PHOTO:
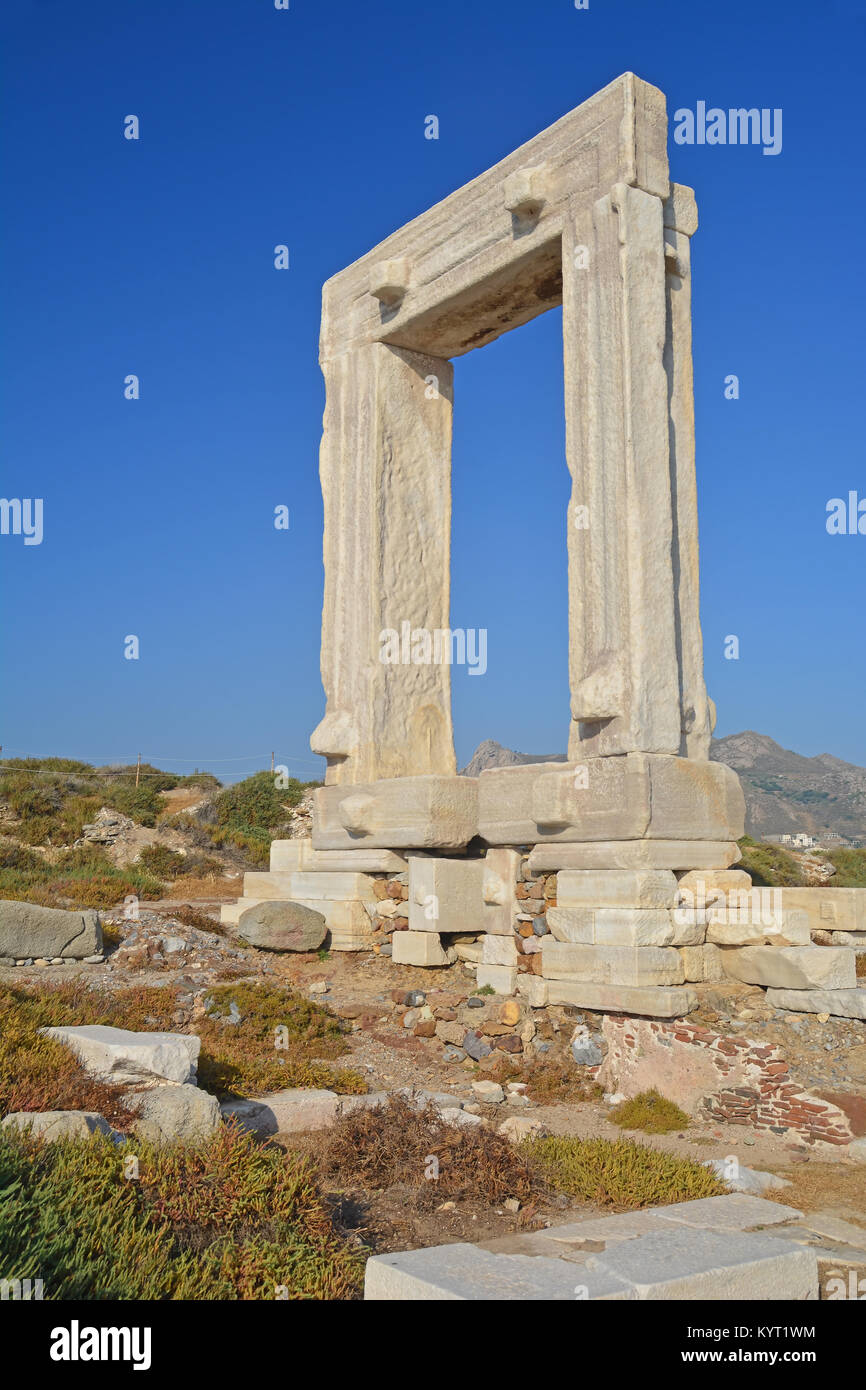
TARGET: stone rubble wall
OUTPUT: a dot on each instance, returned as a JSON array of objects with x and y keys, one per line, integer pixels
[{"x": 732, "y": 1080}]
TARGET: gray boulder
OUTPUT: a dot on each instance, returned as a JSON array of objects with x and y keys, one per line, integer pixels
[
  {"x": 58, "y": 1124},
  {"x": 174, "y": 1114},
  {"x": 282, "y": 926},
  {"x": 114, "y": 1054},
  {"x": 46, "y": 932}
]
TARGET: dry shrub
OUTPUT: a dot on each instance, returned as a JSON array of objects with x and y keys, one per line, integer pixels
[
  {"x": 383, "y": 1146},
  {"x": 191, "y": 917},
  {"x": 548, "y": 1080}
]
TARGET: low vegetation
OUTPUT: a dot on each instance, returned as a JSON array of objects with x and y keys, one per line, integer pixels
[
  {"x": 769, "y": 866},
  {"x": 397, "y": 1143},
  {"x": 850, "y": 866},
  {"x": 77, "y": 878},
  {"x": 619, "y": 1173},
  {"x": 651, "y": 1112},
  {"x": 229, "y": 1219},
  {"x": 238, "y": 1058}
]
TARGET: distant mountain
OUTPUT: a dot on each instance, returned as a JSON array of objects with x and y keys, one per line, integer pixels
[
  {"x": 784, "y": 791},
  {"x": 492, "y": 754}
]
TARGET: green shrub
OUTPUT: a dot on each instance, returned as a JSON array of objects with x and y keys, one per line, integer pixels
[
  {"x": 769, "y": 866},
  {"x": 256, "y": 803},
  {"x": 850, "y": 866},
  {"x": 81, "y": 878},
  {"x": 163, "y": 862},
  {"x": 651, "y": 1112},
  {"x": 228, "y": 1219},
  {"x": 620, "y": 1172}
]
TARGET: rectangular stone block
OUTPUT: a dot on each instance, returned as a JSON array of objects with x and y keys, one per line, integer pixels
[
  {"x": 829, "y": 909},
  {"x": 792, "y": 967},
  {"x": 701, "y": 964},
  {"x": 450, "y": 1273},
  {"x": 399, "y": 813},
  {"x": 502, "y": 979},
  {"x": 533, "y": 989},
  {"x": 855, "y": 939},
  {"x": 445, "y": 894},
  {"x": 620, "y": 927},
  {"x": 498, "y": 890},
  {"x": 717, "y": 1265},
  {"x": 230, "y": 912},
  {"x": 336, "y": 887},
  {"x": 420, "y": 948},
  {"x": 633, "y": 854},
  {"x": 841, "y": 1003},
  {"x": 349, "y": 923},
  {"x": 288, "y": 856},
  {"x": 633, "y": 797},
  {"x": 700, "y": 884},
  {"x": 792, "y": 929},
  {"x": 621, "y": 965},
  {"x": 630, "y": 888},
  {"x": 622, "y": 999},
  {"x": 499, "y": 950}
]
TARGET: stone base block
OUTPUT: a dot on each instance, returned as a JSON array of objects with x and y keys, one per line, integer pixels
[
  {"x": 631, "y": 797},
  {"x": 621, "y": 999},
  {"x": 230, "y": 913},
  {"x": 633, "y": 854},
  {"x": 700, "y": 884},
  {"x": 445, "y": 894},
  {"x": 792, "y": 929},
  {"x": 841, "y": 1003},
  {"x": 628, "y": 888},
  {"x": 400, "y": 813},
  {"x": 855, "y": 940},
  {"x": 791, "y": 967},
  {"x": 611, "y": 926},
  {"x": 420, "y": 948},
  {"x": 618, "y": 965},
  {"x": 502, "y": 979},
  {"x": 291, "y": 856},
  {"x": 499, "y": 950},
  {"x": 701, "y": 964},
  {"x": 533, "y": 989},
  {"x": 498, "y": 890},
  {"x": 829, "y": 909}
]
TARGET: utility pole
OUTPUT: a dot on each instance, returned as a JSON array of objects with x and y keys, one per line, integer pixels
[
  {"x": 138, "y": 769},
  {"x": 272, "y": 764}
]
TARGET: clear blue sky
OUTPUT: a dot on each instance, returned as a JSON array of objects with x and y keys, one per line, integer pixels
[{"x": 306, "y": 127}]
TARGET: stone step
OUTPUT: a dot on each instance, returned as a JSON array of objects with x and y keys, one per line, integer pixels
[
  {"x": 620, "y": 926},
  {"x": 348, "y": 922},
  {"x": 673, "y": 1002},
  {"x": 291, "y": 856},
  {"x": 603, "y": 965},
  {"x": 703, "y": 1250},
  {"x": 634, "y": 854},
  {"x": 790, "y": 927},
  {"x": 422, "y": 948},
  {"x": 629, "y": 888},
  {"x": 791, "y": 967},
  {"x": 841, "y": 1003}
]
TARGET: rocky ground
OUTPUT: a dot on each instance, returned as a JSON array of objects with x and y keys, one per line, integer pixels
[{"x": 394, "y": 1013}]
